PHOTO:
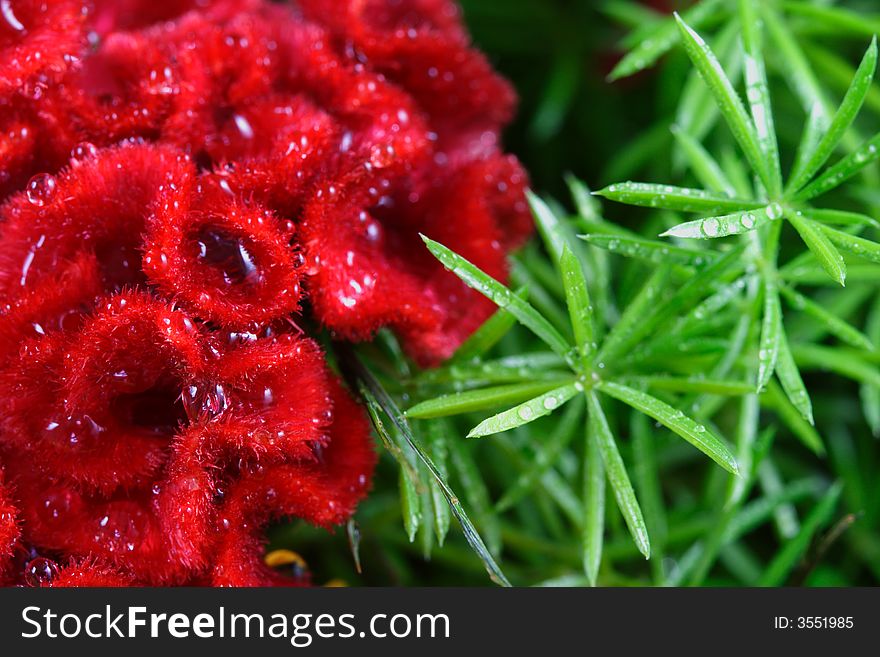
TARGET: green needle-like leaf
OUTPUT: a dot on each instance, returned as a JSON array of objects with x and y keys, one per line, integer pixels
[
  {"x": 693, "y": 432},
  {"x": 790, "y": 378},
  {"x": 726, "y": 225},
  {"x": 839, "y": 217},
  {"x": 594, "y": 502},
  {"x": 771, "y": 327},
  {"x": 776, "y": 399},
  {"x": 838, "y": 18},
  {"x": 815, "y": 127},
  {"x": 826, "y": 253},
  {"x": 552, "y": 229},
  {"x": 792, "y": 551},
  {"x": 649, "y": 250},
  {"x": 851, "y": 365},
  {"x": 546, "y": 456},
  {"x": 858, "y": 246},
  {"x": 438, "y": 449},
  {"x": 378, "y": 400},
  {"x": 410, "y": 504},
  {"x": 697, "y": 384},
  {"x": 697, "y": 112},
  {"x": 526, "y": 412},
  {"x": 870, "y": 393},
  {"x": 729, "y": 102},
  {"x": 846, "y": 114},
  {"x": 488, "y": 335},
  {"x": 478, "y": 400},
  {"x": 758, "y": 93},
  {"x": 836, "y": 326},
  {"x": 579, "y": 307},
  {"x": 845, "y": 169},
  {"x": 617, "y": 476},
  {"x": 501, "y": 296},
  {"x": 659, "y": 40},
  {"x": 669, "y": 197},
  {"x": 704, "y": 166},
  {"x": 798, "y": 70},
  {"x": 630, "y": 322}
]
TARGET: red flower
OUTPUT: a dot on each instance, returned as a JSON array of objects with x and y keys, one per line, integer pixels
[{"x": 186, "y": 179}]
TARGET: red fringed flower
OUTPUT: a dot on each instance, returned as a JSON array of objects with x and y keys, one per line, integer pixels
[{"x": 182, "y": 181}]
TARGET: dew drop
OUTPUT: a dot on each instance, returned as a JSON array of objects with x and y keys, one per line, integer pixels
[
  {"x": 774, "y": 211},
  {"x": 382, "y": 155},
  {"x": 41, "y": 189},
  {"x": 230, "y": 255},
  {"x": 40, "y": 571},
  {"x": 525, "y": 413},
  {"x": 82, "y": 152},
  {"x": 244, "y": 126},
  {"x": 550, "y": 403},
  {"x": 710, "y": 227},
  {"x": 9, "y": 16}
]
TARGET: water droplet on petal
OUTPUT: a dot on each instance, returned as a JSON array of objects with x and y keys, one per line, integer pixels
[
  {"x": 382, "y": 155},
  {"x": 82, "y": 152},
  {"x": 9, "y": 16},
  {"x": 40, "y": 571},
  {"x": 41, "y": 189}
]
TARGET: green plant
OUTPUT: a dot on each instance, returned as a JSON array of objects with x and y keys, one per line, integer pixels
[{"x": 611, "y": 344}]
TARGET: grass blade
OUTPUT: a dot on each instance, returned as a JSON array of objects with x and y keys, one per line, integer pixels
[
  {"x": 500, "y": 295},
  {"x": 670, "y": 197},
  {"x": 726, "y": 225},
  {"x": 526, "y": 412},
  {"x": 696, "y": 434},
  {"x": 478, "y": 400},
  {"x": 843, "y": 119},
  {"x": 827, "y": 255},
  {"x": 729, "y": 102},
  {"x": 617, "y": 476}
]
